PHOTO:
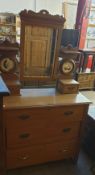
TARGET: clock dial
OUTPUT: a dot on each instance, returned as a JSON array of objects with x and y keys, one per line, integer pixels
[
  {"x": 7, "y": 65},
  {"x": 67, "y": 66}
]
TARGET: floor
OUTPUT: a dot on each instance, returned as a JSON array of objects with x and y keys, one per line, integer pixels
[
  {"x": 90, "y": 95},
  {"x": 82, "y": 167}
]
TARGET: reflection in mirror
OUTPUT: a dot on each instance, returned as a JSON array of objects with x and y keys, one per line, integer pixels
[
  {"x": 39, "y": 50},
  {"x": 40, "y": 44}
]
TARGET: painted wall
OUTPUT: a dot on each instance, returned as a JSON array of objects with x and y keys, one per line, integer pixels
[
  {"x": 53, "y": 6},
  {"x": 16, "y": 6}
]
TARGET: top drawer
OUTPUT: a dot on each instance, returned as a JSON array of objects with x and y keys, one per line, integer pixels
[{"x": 40, "y": 116}]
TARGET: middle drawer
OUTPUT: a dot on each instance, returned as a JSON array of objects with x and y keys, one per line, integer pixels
[{"x": 27, "y": 136}]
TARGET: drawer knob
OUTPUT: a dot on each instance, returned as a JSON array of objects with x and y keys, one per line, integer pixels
[
  {"x": 24, "y": 157},
  {"x": 24, "y": 117},
  {"x": 66, "y": 129},
  {"x": 24, "y": 136},
  {"x": 67, "y": 113}
]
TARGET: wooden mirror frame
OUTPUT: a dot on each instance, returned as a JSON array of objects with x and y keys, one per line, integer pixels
[{"x": 40, "y": 19}]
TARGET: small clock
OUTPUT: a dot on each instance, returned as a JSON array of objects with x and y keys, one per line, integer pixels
[
  {"x": 67, "y": 66},
  {"x": 7, "y": 64}
]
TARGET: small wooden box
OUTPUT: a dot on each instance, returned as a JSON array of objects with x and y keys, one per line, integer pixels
[
  {"x": 68, "y": 86},
  {"x": 86, "y": 80}
]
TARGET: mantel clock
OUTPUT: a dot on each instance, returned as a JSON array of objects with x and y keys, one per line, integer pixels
[{"x": 67, "y": 65}]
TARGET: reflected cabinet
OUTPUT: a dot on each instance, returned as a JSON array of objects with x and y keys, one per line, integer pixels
[{"x": 40, "y": 43}]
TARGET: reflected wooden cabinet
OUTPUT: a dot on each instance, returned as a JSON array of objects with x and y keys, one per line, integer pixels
[
  {"x": 37, "y": 55},
  {"x": 40, "y": 42}
]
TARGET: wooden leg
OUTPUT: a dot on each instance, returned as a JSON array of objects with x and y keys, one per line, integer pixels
[{"x": 2, "y": 140}]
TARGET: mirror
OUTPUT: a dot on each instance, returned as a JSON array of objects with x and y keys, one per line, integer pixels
[
  {"x": 40, "y": 43},
  {"x": 39, "y": 51}
]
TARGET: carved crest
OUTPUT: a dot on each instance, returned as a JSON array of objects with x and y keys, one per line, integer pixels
[{"x": 42, "y": 15}]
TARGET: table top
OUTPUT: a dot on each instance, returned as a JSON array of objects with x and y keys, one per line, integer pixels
[{"x": 43, "y": 97}]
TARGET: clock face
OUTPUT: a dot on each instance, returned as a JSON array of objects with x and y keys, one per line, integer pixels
[
  {"x": 67, "y": 66},
  {"x": 7, "y": 65}
]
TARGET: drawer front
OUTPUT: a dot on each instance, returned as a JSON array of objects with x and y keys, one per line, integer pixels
[
  {"x": 70, "y": 89},
  {"x": 39, "y": 117},
  {"x": 27, "y": 136},
  {"x": 40, "y": 154}
]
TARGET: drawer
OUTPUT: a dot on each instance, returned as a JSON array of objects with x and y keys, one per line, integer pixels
[
  {"x": 27, "y": 136},
  {"x": 25, "y": 156},
  {"x": 70, "y": 89},
  {"x": 86, "y": 76},
  {"x": 40, "y": 154},
  {"x": 84, "y": 84},
  {"x": 39, "y": 117}
]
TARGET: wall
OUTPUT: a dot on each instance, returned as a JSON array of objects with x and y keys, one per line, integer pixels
[
  {"x": 16, "y": 6},
  {"x": 70, "y": 1},
  {"x": 53, "y": 6},
  {"x": 69, "y": 9}
]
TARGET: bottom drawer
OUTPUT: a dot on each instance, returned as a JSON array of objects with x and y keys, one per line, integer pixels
[{"x": 40, "y": 154}]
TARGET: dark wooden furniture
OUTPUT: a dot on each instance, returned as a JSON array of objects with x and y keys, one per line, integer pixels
[
  {"x": 42, "y": 126},
  {"x": 40, "y": 43},
  {"x": 70, "y": 36},
  {"x": 67, "y": 70},
  {"x": 3, "y": 92},
  {"x": 86, "y": 74},
  {"x": 85, "y": 53}
]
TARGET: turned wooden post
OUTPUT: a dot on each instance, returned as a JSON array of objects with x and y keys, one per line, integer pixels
[{"x": 3, "y": 92}]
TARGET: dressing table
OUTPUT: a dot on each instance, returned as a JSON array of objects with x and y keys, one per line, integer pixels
[{"x": 42, "y": 125}]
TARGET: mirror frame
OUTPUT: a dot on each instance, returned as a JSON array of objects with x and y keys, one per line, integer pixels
[{"x": 40, "y": 19}]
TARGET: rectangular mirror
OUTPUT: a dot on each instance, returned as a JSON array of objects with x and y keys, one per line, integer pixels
[
  {"x": 40, "y": 43},
  {"x": 39, "y": 51}
]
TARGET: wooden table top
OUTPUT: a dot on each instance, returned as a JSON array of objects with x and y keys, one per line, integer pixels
[{"x": 43, "y": 97}]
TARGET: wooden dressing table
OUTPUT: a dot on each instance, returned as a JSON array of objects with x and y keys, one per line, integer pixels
[
  {"x": 3, "y": 92},
  {"x": 42, "y": 125}
]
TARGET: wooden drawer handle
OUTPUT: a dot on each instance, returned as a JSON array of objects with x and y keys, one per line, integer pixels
[
  {"x": 24, "y": 158},
  {"x": 24, "y": 117},
  {"x": 68, "y": 113},
  {"x": 66, "y": 129},
  {"x": 24, "y": 136}
]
